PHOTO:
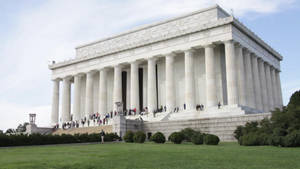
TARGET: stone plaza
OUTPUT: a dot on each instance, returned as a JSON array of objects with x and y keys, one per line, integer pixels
[{"x": 165, "y": 71}]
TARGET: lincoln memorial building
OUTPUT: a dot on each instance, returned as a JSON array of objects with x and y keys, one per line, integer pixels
[{"x": 204, "y": 65}]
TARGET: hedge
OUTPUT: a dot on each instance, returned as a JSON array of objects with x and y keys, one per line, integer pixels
[{"x": 38, "y": 139}]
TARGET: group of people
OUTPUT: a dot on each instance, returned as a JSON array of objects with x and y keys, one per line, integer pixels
[
  {"x": 96, "y": 118},
  {"x": 199, "y": 107},
  {"x": 70, "y": 124},
  {"x": 130, "y": 112}
]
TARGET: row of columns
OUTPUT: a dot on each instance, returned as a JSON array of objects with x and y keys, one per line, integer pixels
[
  {"x": 260, "y": 87},
  {"x": 250, "y": 82}
]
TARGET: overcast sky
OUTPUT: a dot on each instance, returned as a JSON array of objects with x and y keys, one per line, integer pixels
[{"x": 33, "y": 32}]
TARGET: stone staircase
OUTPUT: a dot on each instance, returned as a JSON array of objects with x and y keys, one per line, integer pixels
[
  {"x": 220, "y": 126},
  {"x": 149, "y": 117},
  {"x": 224, "y": 111},
  {"x": 232, "y": 110},
  {"x": 82, "y": 130}
]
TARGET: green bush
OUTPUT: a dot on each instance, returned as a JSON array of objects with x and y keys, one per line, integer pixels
[
  {"x": 276, "y": 140},
  {"x": 158, "y": 138},
  {"x": 176, "y": 137},
  {"x": 211, "y": 139},
  {"x": 238, "y": 132},
  {"x": 292, "y": 139},
  {"x": 128, "y": 137},
  {"x": 197, "y": 138},
  {"x": 188, "y": 133},
  {"x": 139, "y": 137},
  {"x": 279, "y": 131},
  {"x": 250, "y": 139},
  {"x": 111, "y": 137},
  {"x": 264, "y": 139}
]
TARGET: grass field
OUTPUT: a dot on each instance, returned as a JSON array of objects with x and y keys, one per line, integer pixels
[{"x": 149, "y": 155}]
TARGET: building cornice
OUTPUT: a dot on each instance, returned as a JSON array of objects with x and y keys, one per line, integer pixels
[
  {"x": 220, "y": 22},
  {"x": 254, "y": 37}
]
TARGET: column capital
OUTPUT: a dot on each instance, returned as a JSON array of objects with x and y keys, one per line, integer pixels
[
  {"x": 231, "y": 41},
  {"x": 260, "y": 60},
  {"x": 239, "y": 45},
  {"x": 56, "y": 80},
  {"x": 103, "y": 69},
  {"x": 191, "y": 50},
  {"x": 118, "y": 66},
  {"x": 210, "y": 45},
  {"x": 68, "y": 77},
  {"x": 247, "y": 50},
  {"x": 91, "y": 72},
  {"x": 135, "y": 62},
  {"x": 267, "y": 64},
  {"x": 172, "y": 54},
  {"x": 154, "y": 58},
  {"x": 277, "y": 70},
  {"x": 272, "y": 68},
  {"x": 79, "y": 74},
  {"x": 253, "y": 55}
]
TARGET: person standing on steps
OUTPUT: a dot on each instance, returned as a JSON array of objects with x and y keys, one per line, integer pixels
[
  {"x": 102, "y": 134},
  {"x": 219, "y": 105}
]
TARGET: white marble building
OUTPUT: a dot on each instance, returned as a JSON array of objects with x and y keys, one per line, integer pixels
[{"x": 204, "y": 57}]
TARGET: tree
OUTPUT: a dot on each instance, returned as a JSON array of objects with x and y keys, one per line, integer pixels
[
  {"x": 294, "y": 100},
  {"x": 22, "y": 127},
  {"x": 10, "y": 131},
  {"x": 281, "y": 130}
]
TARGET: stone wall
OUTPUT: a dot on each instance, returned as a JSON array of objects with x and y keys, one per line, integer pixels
[
  {"x": 222, "y": 127},
  {"x": 34, "y": 129}
]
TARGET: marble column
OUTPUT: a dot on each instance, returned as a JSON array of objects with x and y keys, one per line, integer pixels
[
  {"x": 55, "y": 103},
  {"x": 279, "y": 88},
  {"x": 76, "y": 104},
  {"x": 231, "y": 74},
  {"x": 134, "y": 89},
  {"x": 263, "y": 84},
  {"x": 103, "y": 92},
  {"x": 210, "y": 74},
  {"x": 66, "y": 100},
  {"x": 170, "y": 90},
  {"x": 257, "y": 87},
  {"x": 249, "y": 80},
  {"x": 89, "y": 98},
  {"x": 117, "y": 93},
  {"x": 269, "y": 86},
  {"x": 241, "y": 75},
  {"x": 152, "y": 100},
  {"x": 274, "y": 88},
  {"x": 189, "y": 79}
]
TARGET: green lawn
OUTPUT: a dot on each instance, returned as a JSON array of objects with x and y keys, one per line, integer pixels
[{"x": 149, "y": 155}]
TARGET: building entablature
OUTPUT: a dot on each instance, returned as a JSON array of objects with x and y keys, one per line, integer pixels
[
  {"x": 178, "y": 45},
  {"x": 137, "y": 40}
]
